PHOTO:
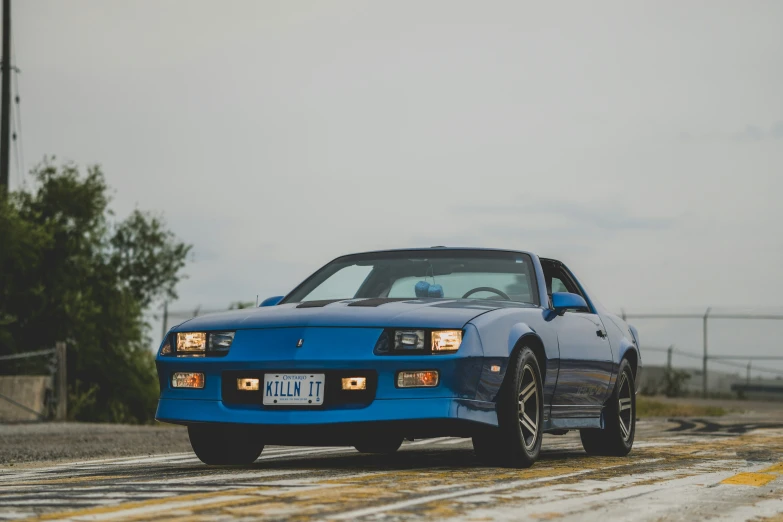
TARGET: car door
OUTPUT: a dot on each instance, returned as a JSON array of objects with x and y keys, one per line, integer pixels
[{"x": 585, "y": 353}]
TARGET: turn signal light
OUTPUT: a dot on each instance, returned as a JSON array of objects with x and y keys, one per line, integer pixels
[
  {"x": 423, "y": 379},
  {"x": 354, "y": 383},
  {"x": 187, "y": 380}
]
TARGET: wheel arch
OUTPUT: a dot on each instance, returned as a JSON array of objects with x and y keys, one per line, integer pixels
[
  {"x": 523, "y": 335},
  {"x": 632, "y": 356},
  {"x": 534, "y": 342}
]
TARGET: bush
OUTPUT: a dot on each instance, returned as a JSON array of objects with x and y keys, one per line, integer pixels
[{"x": 70, "y": 272}]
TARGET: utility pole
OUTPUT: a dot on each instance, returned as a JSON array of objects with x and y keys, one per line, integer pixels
[
  {"x": 62, "y": 383},
  {"x": 704, "y": 362},
  {"x": 165, "y": 318},
  {"x": 5, "y": 103},
  {"x": 669, "y": 357}
]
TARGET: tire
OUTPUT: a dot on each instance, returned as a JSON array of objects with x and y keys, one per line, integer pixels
[
  {"x": 516, "y": 443},
  {"x": 222, "y": 444},
  {"x": 616, "y": 439},
  {"x": 384, "y": 446}
]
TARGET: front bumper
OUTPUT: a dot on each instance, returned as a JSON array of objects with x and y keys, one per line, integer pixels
[
  {"x": 183, "y": 411},
  {"x": 329, "y": 350}
]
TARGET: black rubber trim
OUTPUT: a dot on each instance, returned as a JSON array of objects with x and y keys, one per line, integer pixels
[
  {"x": 378, "y": 301},
  {"x": 317, "y": 304}
]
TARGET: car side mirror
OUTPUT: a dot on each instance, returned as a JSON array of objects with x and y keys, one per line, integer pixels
[
  {"x": 562, "y": 301},
  {"x": 271, "y": 301}
]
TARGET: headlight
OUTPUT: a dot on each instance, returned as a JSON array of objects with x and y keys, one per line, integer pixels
[
  {"x": 191, "y": 342},
  {"x": 220, "y": 341},
  {"x": 446, "y": 340},
  {"x": 418, "y": 342},
  {"x": 200, "y": 344},
  {"x": 409, "y": 339}
]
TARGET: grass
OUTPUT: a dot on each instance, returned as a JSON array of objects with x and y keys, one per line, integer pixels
[{"x": 646, "y": 407}]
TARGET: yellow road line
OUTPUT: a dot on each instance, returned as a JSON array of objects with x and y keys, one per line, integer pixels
[
  {"x": 777, "y": 468},
  {"x": 750, "y": 479}
]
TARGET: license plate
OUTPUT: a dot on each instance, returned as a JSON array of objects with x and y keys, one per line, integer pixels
[{"x": 294, "y": 389}]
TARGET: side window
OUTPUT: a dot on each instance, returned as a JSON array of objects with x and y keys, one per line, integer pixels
[
  {"x": 559, "y": 280},
  {"x": 558, "y": 286}
]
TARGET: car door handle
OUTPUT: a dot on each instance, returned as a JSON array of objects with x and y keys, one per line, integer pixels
[{"x": 601, "y": 334}]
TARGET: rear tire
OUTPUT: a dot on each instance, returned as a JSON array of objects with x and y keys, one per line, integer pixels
[
  {"x": 616, "y": 439},
  {"x": 221, "y": 444},
  {"x": 516, "y": 442},
  {"x": 384, "y": 446}
]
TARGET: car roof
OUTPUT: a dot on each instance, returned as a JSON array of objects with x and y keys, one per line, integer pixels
[{"x": 440, "y": 249}]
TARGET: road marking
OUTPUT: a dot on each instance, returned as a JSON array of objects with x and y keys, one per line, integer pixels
[
  {"x": 227, "y": 478},
  {"x": 777, "y": 468},
  {"x": 750, "y": 479},
  {"x": 311, "y": 452},
  {"x": 455, "y": 441},
  {"x": 145, "y": 510},
  {"x": 426, "y": 441},
  {"x": 350, "y": 515}
]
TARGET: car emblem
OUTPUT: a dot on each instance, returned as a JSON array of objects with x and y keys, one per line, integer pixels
[{"x": 300, "y": 343}]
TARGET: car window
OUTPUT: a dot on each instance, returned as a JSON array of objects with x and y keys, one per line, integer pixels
[
  {"x": 516, "y": 286},
  {"x": 558, "y": 285},
  {"x": 342, "y": 283},
  {"x": 416, "y": 274}
]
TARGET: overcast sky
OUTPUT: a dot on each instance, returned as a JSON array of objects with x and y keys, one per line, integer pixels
[{"x": 639, "y": 142}]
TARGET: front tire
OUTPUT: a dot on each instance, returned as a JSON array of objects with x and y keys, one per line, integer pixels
[
  {"x": 517, "y": 440},
  {"x": 219, "y": 444},
  {"x": 616, "y": 439}
]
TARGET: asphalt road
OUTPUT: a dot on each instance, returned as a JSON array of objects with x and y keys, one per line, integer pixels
[{"x": 728, "y": 468}]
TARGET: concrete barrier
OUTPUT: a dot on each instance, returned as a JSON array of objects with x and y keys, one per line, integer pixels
[{"x": 19, "y": 394}]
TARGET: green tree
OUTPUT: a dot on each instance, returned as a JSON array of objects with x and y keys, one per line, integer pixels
[{"x": 70, "y": 271}]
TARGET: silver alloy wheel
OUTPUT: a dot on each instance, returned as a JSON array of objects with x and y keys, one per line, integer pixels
[
  {"x": 528, "y": 407},
  {"x": 625, "y": 407}
]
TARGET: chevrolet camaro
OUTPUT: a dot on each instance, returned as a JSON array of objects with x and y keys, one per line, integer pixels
[{"x": 501, "y": 346}]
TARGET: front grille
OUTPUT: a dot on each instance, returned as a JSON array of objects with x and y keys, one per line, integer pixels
[{"x": 334, "y": 395}]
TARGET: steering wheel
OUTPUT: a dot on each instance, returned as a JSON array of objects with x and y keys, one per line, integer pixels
[{"x": 486, "y": 289}]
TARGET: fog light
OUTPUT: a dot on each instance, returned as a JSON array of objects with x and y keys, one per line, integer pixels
[
  {"x": 187, "y": 380},
  {"x": 354, "y": 383},
  {"x": 425, "y": 379},
  {"x": 247, "y": 384}
]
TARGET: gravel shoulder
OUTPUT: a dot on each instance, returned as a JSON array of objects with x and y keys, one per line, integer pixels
[{"x": 50, "y": 442}]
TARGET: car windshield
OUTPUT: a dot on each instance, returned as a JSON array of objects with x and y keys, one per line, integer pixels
[{"x": 416, "y": 274}]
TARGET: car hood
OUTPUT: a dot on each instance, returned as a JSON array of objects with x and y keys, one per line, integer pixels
[{"x": 415, "y": 313}]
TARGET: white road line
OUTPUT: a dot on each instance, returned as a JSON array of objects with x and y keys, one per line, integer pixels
[
  {"x": 168, "y": 506},
  {"x": 312, "y": 452},
  {"x": 13, "y": 515},
  {"x": 425, "y": 441},
  {"x": 475, "y": 491},
  {"x": 455, "y": 441},
  {"x": 350, "y": 515},
  {"x": 228, "y": 478}
]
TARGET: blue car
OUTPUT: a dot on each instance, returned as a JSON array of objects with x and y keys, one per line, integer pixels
[{"x": 374, "y": 348}]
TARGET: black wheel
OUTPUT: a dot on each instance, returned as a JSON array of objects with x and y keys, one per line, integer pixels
[
  {"x": 225, "y": 444},
  {"x": 517, "y": 441},
  {"x": 616, "y": 439},
  {"x": 384, "y": 445}
]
